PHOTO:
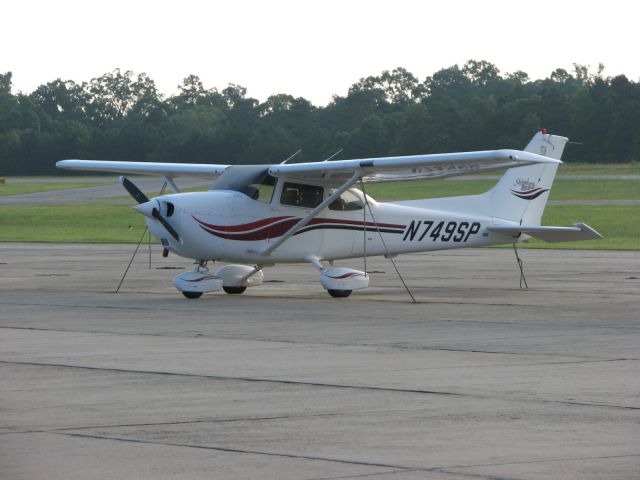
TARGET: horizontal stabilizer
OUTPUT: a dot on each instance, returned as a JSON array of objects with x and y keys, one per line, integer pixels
[{"x": 580, "y": 231}]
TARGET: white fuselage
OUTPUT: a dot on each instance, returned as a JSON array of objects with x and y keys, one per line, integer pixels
[{"x": 229, "y": 226}]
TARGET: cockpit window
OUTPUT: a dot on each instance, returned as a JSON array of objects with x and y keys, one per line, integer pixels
[
  {"x": 346, "y": 202},
  {"x": 252, "y": 180},
  {"x": 301, "y": 195}
]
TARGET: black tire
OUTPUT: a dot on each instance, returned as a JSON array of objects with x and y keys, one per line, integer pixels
[
  {"x": 234, "y": 290},
  {"x": 339, "y": 293},
  {"x": 192, "y": 295}
]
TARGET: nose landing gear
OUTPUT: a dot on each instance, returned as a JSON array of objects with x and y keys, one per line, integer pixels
[
  {"x": 192, "y": 295},
  {"x": 193, "y": 284}
]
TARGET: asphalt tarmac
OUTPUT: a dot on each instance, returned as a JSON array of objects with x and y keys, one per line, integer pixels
[{"x": 478, "y": 380}]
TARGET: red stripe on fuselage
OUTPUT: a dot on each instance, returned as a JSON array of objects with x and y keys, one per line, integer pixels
[
  {"x": 270, "y": 231},
  {"x": 245, "y": 227},
  {"x": 318, "y": 221},
  {"x": 277, "y": 226}
]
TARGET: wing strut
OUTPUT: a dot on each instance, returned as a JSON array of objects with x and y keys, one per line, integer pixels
[
  {"x": 169, "y": 181},
  {"x": 307, "y": 218}
]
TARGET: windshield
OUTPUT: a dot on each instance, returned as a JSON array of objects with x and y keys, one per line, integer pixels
[
  {"x": 252, "y": 180},
  {"x": 349, "y": 200}
]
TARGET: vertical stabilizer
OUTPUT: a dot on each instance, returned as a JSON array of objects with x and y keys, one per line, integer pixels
[
  {"x": 522, "y": 193},
  {"x": 547, "y": 145}
]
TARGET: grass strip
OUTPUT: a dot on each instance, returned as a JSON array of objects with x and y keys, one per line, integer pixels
[{"x": 22, "y": 188}]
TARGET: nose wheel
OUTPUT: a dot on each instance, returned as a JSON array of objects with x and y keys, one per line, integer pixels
[
  {"x": 339, "y": 293},
  {"x": 192, "y": 295},
  {"x": 193, "y": 284}
]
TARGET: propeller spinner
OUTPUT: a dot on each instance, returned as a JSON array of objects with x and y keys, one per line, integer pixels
[{"x": 149, "y": 208}]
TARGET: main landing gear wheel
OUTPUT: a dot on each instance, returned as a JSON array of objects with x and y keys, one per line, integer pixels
[
  {"x": 192, "y": 294},
  {"x": 234, "y": 290},
  {"x": 339, "y": 293}
]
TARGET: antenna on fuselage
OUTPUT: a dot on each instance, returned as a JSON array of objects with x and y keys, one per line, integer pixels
[
  {"x": 285, "y": 161},
  {"x": 334, "y": 155}
]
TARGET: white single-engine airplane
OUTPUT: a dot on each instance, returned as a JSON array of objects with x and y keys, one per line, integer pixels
[{"x": 311, "y": 212}]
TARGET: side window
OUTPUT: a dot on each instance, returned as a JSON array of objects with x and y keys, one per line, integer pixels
[
  {"x": 346, "y": 202},
  {"x": 300, "y": 195}
]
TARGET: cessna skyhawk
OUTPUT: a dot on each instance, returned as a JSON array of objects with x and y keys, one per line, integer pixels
[{"x": 255, "y": 216}]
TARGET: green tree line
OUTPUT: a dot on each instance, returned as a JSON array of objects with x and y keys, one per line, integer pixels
[{"x": 122, "y": 116}]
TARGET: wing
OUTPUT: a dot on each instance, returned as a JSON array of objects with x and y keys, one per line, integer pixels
[
  {"x": 413, "y": 167},
  {"x": 170, "y": 170}
]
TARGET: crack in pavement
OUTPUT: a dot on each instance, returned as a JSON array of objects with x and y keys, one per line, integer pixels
[
  {"x": 238, "y": 450},
  {"x": 363, "y": 475},
  {"x": 443, "y": 469},
  {"x": 222, "y": 377},
  {"x": 178, "y": 422},
  {"x": 391, "y": 346},
  {"x": 314, "y": 384},
  {"x": 551, "y": 460}
]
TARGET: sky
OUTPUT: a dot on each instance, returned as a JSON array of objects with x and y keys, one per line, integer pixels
[{"x": 314, "y": 49}]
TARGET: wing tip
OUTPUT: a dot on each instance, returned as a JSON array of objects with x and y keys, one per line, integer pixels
[
  {"x": 66, "y": 164},
  {"x": 524, "y": 156},
  {"x": 589, "y": 230}
]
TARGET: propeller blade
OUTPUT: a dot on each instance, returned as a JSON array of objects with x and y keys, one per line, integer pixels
[
  {"x": 134, "y": 191},
  {"x": 156, "y": 214},
  {"x": 141, "y": 198}
]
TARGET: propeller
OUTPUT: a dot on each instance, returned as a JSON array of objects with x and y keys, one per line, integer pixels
[
  {"x": 134, "y": 191},
  {"x": 147, "y": 207},
  {"x": 155, "y": 213}
]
